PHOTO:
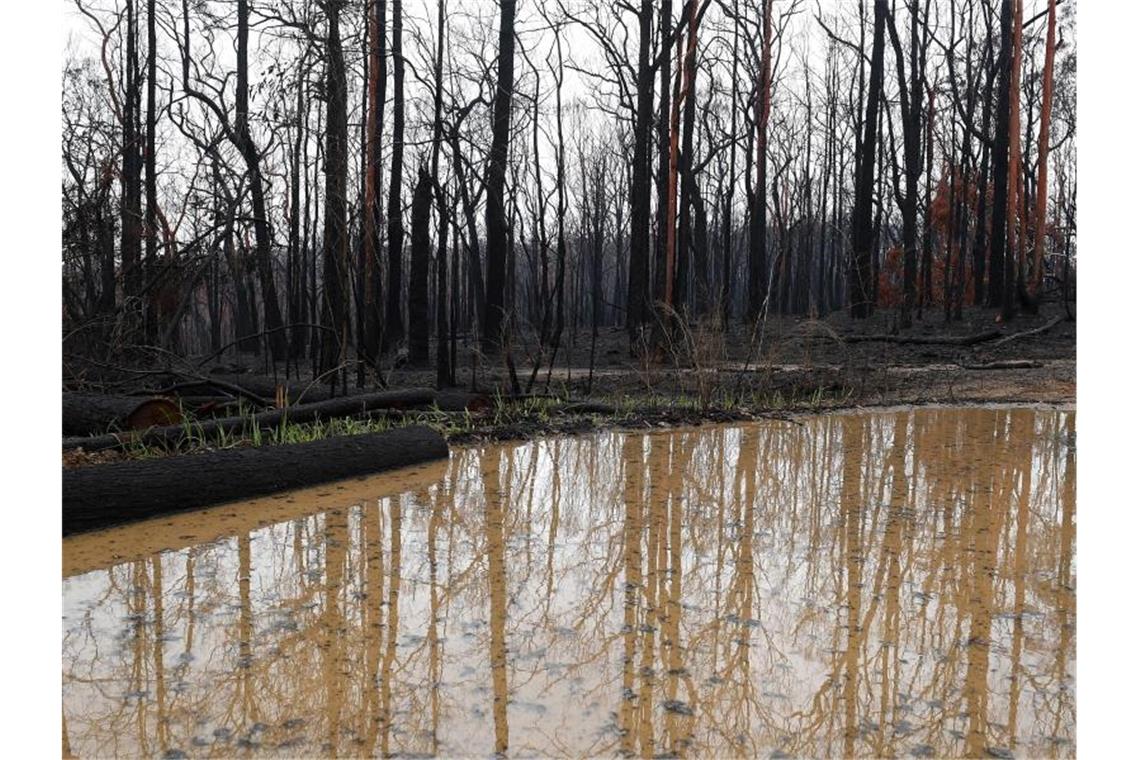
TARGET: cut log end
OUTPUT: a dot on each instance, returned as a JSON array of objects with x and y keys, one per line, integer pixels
[
  {"x": 154, "y": 412},
  {"x": 95, "y": 413}
]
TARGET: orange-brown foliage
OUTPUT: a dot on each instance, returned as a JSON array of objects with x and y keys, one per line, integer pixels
[{"x": 891, "y": 278}]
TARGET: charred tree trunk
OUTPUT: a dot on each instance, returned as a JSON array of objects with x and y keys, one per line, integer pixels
[
  {"x": 668, "y": 228},
  {"x": 393, "y": 315},
  {"x": 444, "y": 373},
  {"x": 694, "y": 220},
  {"x": 726, "y": 211},
  {"x": 909, "y": 104},
  {"x": 997, "y": 264},
  {"x": 261, "y": 231},
  {"x": 986, "y": 168},
  {"x": 370, "y": 242},
  {"x": 494, "y": 310},
  {"x": 419, "y": 316},
  {"x": 926, "y": 289},
  {"x": 1015, "y": 248},
  {"x": 298, "y": 247},
  {"x": 335, "y": 242},
  {"x": 130, "y": 247},
  {"x": 638, "y": 299},
  {"x": 863, "y": 238},
  {"x": 664, "y": 243},
  {"x": 560, "y": 243},
  {"x": 758, "y": 219},
  {"x": 99, "y": 496},
  {"x": 1043, "y": 160},
  {"x": 151, "y": 225}
]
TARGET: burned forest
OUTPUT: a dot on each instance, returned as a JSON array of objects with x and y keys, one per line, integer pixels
[
  {"x": 557, "y": 215},
  {"x": 328, "y": 188},
  {"x": 572, "y": 378}
]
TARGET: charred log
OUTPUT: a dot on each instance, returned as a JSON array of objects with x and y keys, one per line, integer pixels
[
  {"x": 94, "y": 413},
  {"x": 175, "y": 435},
  {"x": 99, "y": 496}
]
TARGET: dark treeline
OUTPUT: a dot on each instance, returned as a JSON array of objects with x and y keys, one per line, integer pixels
[{"x": 336, "y": 183}]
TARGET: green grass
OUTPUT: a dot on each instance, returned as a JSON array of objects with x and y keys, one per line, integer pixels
[
  {"x": 727, "y": 400},
  {"x": 533, "y": 413}
]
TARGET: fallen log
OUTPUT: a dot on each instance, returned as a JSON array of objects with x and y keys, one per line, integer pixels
[
  {"x": 1035, "y": 331},
  {"x": 927, "y": 340},
  {"x": 1005, "y": 364},
  {"x": 455, "y": 400},
  {"x": 260, "y": 389},
  {"x": 199, "y": 389},
  {"x": 80, "y": 375},
  {"x": 346, "y": 406},
  {"x": 266, "y": 387},
  {"x": 103, "y": 495},
  {"x": 201, "y": 406},
  {"x": 93, "y": 413}
]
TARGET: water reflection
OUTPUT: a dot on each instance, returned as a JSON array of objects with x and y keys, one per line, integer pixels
[{"x": 861, "y": 585}]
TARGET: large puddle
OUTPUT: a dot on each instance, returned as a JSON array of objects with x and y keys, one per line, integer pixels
[{"x": 890, "y": 583}]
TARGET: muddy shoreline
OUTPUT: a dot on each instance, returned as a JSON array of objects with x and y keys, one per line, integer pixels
[
  {"x": 786, "y": 368},
  {"x": 1050, "y": 385}
]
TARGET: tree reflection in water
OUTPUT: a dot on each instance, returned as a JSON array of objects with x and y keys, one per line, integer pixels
[{"x": 862, "y": 585}]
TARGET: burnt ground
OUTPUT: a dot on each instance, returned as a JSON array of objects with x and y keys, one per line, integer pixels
[{"x": 789, "y": 366}]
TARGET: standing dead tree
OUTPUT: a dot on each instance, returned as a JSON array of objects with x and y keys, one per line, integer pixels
[
  {"x": 239, "y": 134},
  {"x": 393, "y": 312},
  {"x": 335, "y": 305},
  {"x": 373, "y": 180},
  {"x": 495, "y": 308},
  {"x": 861, "y": 280}
]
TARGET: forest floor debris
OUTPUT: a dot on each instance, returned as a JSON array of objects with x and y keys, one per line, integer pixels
[{"x": 791, "y": 367}]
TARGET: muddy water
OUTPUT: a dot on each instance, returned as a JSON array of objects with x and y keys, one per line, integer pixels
[{"x": 894, "y": 583}]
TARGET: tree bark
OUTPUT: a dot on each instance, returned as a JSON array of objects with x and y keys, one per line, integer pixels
[
  {"x": 692, "y": 249},
  {"x": 909, "y": 105},
  {"x": 924, "y": 340},
  {"x": 335, "y": 243},
  {"x": 370, "y": 244},
  {"x": 663, "y": 240},
  {"x": 998, "y": 220},
  {"x": 668, "y": 228},
  {"x": 863, "y": 238},
  {"x": 96, "y": 413},
  {"x": 443, "y": 367},
  {"x": 130, "y": 247},
  {"x": 495, "y": 307},
  {"x": 758, "y": 220},
  {"x": 638, "y": 299},
  {"x": 103, "y": 495},
  {"x": 393, "y": 315},
  {"x": 1043, "y": 158},
  {"x": 262, "y": 235},
  {"x": 419, "y": 316},
  {"x": 1015, "y": 251},
  {"x": 175, "y": 435},
  {"x": 151, "y": 224}
]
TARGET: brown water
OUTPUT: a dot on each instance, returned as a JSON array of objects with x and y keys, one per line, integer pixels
[{"x": 892, "y": 583}]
